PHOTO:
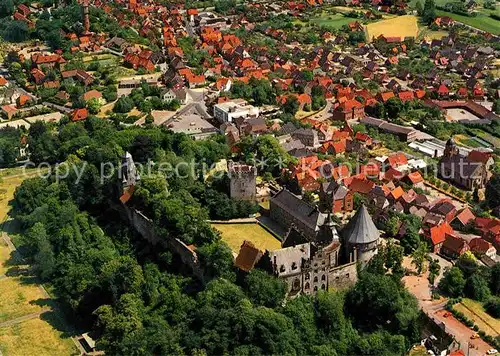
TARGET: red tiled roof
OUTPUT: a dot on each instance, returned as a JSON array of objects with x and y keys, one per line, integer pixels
[
  {"x": 363, "y": 186},
  {"x": 248, "y": 256},
  {"x": 386, "y": 95},
  {"x": 438, "y": 233},
  {"x": 415, "y": 177},
  {"x": 478, "y": 156},
  {"x": 79, "y": 114},
  {"x": 397, "y": 193},
  {"x": 465, "y": 216},
  {"x": 479, "y": 245},
  {"x": 406, "y": 95},
  {"x": 397, "y": 159}
]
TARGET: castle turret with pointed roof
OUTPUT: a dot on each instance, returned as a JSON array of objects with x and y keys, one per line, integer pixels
[{"x": 361, "y": 236}]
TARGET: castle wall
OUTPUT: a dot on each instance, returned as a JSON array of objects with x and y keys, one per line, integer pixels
[
  {"x": 343, "y": 276},
  {"x": 145, "y": 227}
]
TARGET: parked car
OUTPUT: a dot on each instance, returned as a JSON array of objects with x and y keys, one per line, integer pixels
[{"x": 492, "y": 352}]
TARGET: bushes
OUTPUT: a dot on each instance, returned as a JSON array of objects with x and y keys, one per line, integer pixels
[{"x": 492, "y": 307}]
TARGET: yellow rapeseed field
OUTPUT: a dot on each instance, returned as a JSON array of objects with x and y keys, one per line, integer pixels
[{"x": 402, "y": 26}]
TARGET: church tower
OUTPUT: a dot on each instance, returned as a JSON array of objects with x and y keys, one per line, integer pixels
[
  {"x": 86, "y": 19},
  {"x": 450, "y": 149}
]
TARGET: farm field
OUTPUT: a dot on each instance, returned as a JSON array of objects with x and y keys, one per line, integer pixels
[
  {"x": 474, "y": 311},
  {"x": 235, "y": 234},
  {"x": 35, "y": 338},
  {"x": 402, "y": 26},
  {"x": 482, "y": 21}
]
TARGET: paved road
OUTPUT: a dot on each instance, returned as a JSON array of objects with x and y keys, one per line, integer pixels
[{"x": 63, "y": 109}]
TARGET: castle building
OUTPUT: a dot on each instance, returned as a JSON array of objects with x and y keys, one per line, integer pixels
[
  {"x": 313, "y": 256},
  {"x": 243, "y": 181},
  {"x": 287, "y": 209},
  {"x": 309, "y": 266},
  {"x": 460, "y": 170}
]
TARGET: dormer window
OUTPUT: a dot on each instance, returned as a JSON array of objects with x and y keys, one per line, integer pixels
[{"x": 294, "y": 265}]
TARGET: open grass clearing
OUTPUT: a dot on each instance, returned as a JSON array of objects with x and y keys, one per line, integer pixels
[
  {"x": 332, "y": 20},
  {"x": 35, "y": 337},
  {"x": 474, "y": 311},
  {"x": 235, "y": 234},
  {"x": 17, "y": 298},
  {"x": 481, "y": 21},
  {"x": 402, "y": 26}
]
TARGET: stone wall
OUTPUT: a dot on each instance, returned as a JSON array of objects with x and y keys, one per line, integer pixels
[
  {"x": 145, "y": 227},
  {"x": 342, "y": 277}
]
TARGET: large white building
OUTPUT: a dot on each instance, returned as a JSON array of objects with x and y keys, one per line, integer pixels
[{"x": 230, "y": 110}]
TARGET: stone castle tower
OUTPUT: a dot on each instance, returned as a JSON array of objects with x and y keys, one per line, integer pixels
[
  {"x": 361, "y": 236},
  {"x": 243, "y": 180}
]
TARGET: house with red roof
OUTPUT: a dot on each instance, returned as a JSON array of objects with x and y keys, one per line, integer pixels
[
  {"x": 454, "y": 247},
  {"x": 480, "y": 247},
  {"x": 436, "y": 235},
  {"x": 349, "y": 110},
  {"x": 414, "y": 179},
  {"x": 359, "y": 184},
  {"x": 462, "y": 92},
  {"x": 396, "y": 160},
  {"x": 485, "y": 158},
  {"x": 406, "y": 96},
  {"x": 38, "y": 75},
  {"x": 333, "y": 147},
  {"x": 384, "y": 96},
  {"x": 50, "y": 60},
  {"x": 8, "y": 111},
  {"x": 79, "y": 114},
  {"x": 463, "y": 218},
  {"x": 364, "y": 138},
  {"x": 443, "y": 91},
  {"x": 22, "y": 100}
]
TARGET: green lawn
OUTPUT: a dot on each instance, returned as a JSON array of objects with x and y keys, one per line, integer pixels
[
  {"x": 482, "y": 21},
  {"x": 333, "y": 21},
  {"x": 474, "y": 311},
  {"x": 235, "y": 234}
]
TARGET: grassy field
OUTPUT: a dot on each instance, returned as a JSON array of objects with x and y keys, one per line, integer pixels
[
  {"x": 428, "y": 34},
  {"x": 10, "y": 179},
  {"x": 16, "y": 299},
  {"x": 402, "y": 26},
  {"x": 19, "y": 297},
  {"x": 35, "y": 338},
  {"x": 482, "y": 21},
  {"x": 474, "y": 311},
  {"x": 235, "y": 234},
  {"x": 332, "y": 20}
]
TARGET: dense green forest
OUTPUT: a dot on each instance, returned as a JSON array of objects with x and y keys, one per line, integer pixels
[{"x": 137, "y": 300}]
